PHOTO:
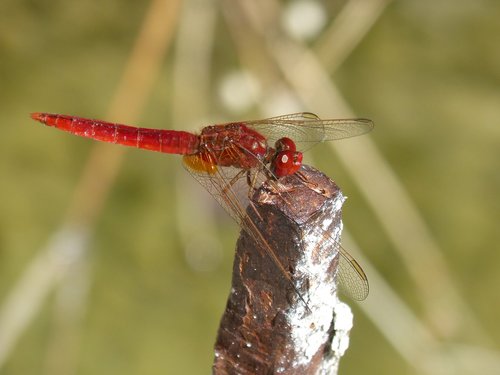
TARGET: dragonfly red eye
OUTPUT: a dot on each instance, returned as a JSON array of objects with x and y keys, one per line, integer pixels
[
  {"x": 286, "y": 163},
  {"x": 284, "y": 144}
]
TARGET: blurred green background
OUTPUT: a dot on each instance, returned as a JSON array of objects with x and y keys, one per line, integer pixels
[{"x": 146, "y": 294}]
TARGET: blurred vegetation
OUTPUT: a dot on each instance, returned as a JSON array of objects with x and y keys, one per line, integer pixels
[{"x": 427, "y": 73}]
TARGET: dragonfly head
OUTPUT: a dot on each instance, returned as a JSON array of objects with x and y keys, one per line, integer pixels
[{"x": 286, "y": 159}]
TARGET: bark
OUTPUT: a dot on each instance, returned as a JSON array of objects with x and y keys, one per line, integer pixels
[{"x": 273, "y": 325}]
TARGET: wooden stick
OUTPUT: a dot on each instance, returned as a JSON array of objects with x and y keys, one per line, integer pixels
[{"x": 267, "y": 328}]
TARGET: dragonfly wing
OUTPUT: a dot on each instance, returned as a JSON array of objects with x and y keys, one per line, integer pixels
[
  {"x": 299, "y": 116},
  {"x": 290, "y": 125},
  {"x": 334, "y": 129},
  {"x": 306, "y": 129},
  {"x": 226, "y": 184},
  {"x": 351, "y": 278},
  {"x": 229, "y": 186}
]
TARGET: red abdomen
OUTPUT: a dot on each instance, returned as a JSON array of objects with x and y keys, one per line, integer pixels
[{"x": 168, "y": 141}]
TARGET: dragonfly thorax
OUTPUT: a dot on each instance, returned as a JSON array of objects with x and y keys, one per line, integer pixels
[{"x": 233, "y": 145}]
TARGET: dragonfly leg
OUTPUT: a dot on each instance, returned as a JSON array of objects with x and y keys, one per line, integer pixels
[
  {"x": 302, "y": 178},
  {"x": 269, "y": 174},
  {"x": 230, "y": 184},
  {"x": 251, "y": 181},
  {"x": 251, "y": 204}
]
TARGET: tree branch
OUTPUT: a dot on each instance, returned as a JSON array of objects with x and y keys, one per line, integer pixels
[{"x": 273, "y": 325}]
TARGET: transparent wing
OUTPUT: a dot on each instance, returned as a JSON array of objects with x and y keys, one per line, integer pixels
[
  {"x": 229, "y": 186},
  {"x": 351, "y": 278},
  {"x": 307, "y": 129}
]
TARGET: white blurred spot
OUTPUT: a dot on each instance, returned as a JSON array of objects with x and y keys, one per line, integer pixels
[
  {"x": 280, "y": 100},
  {"x": 239, "y": 90},
  {"x": 303, "y": 20},
  {"x": 203, "y": 256}
]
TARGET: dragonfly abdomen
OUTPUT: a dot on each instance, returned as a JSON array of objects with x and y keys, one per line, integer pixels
[{"x": 167, "y": 141}]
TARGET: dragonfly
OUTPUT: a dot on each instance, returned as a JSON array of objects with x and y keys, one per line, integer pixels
[{"x": 228, "y": 157}]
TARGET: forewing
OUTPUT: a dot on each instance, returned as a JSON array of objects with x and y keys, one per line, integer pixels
[{"x": 307, "y": 129}]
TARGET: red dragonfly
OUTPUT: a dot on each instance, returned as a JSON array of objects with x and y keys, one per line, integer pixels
[{"x": 237, "y": 153}]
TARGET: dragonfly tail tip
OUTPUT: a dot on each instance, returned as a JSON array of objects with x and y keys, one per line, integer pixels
[{"x": 41, "y": 117}]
